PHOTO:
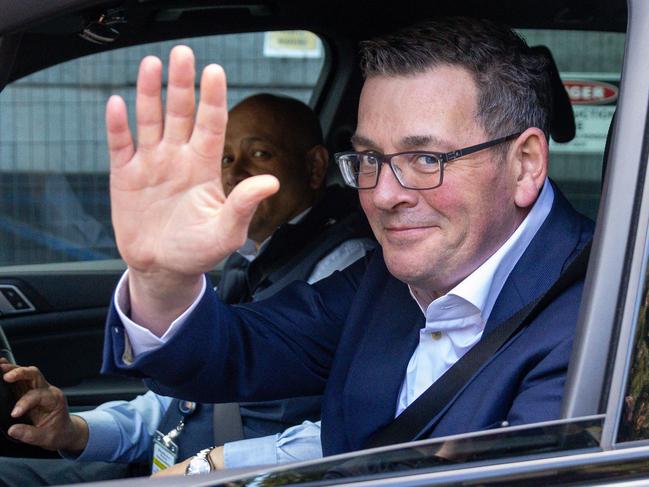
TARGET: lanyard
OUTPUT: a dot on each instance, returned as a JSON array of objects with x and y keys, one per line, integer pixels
[{"x": 186, "y": 409}]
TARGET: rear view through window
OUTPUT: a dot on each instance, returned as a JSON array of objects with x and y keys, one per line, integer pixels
[{"x": 53, "y": 155}]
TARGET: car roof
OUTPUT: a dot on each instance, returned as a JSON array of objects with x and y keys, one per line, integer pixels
[{"x": 56, "y": 24}]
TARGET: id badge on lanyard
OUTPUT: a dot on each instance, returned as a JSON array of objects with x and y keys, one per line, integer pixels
[{"x": 165, "y": 449}]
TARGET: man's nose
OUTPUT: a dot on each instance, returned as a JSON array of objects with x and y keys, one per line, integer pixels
[
  {"x": 389, "y": 193},
  {"x": 235, "y": 172}
]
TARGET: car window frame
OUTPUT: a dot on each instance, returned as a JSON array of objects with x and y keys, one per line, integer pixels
[{"x": 600, "y": 358}]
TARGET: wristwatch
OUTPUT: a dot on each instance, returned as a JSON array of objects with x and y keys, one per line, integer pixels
[{"x": 200, "y": 463}]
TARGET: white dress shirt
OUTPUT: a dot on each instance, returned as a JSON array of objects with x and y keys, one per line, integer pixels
[{"x": 455, "y": 321}]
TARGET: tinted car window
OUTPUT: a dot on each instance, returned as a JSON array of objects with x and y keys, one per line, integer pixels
[
  {"x": 634, "y": 420},
  {"x": 435, "y": 456},
  {"x": 589, "y": 64},
  {"x": 53, "y": 155}
]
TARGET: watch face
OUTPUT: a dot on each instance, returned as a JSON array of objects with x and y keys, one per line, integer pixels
[{"x": 198, "y": 466}]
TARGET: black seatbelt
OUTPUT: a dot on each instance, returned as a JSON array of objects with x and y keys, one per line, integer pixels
[
  {"x": 410, "y": 423},
  {"x": 227, "y": 423}
]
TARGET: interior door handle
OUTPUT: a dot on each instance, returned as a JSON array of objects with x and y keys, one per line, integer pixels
[{"x": 12, "y": 300}]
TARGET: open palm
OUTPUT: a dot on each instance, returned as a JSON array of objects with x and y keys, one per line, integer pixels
[
  {"x": 170, "y": 215},
  {"x": 168, "y": 206}
]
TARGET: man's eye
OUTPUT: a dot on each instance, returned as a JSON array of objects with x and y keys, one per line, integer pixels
[
  {"x": 426, "y": 163},
  {"x": 260, "y": 154},
  {"x": 368, "y": 160},
  {"x": 426, "y": 160},
  {"x": 227, "y": 160}
]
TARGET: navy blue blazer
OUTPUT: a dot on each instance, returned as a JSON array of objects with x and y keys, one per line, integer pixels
[{"x": 351, "y": 336}]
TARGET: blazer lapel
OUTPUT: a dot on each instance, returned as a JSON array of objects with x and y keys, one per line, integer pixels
[
  {"x": 540, "y": 266},
  {"x": 377, "y": 370}
]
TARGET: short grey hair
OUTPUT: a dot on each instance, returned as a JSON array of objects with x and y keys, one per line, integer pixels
[{"x": 514, "y": 87}]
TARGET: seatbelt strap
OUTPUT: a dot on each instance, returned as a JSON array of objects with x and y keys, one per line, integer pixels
[
  {"x": 411, "y": 423},
  {"x": 226, "y": 422}
]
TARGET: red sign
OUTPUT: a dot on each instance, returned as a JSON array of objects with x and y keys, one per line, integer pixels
[{"x": 589, "y": 92}]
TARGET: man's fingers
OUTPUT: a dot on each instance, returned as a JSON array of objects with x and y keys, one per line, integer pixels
[
  {"x": 148, "y": 102},
  {"x": 31, "y": 374},
  {"x": 212, "y": 116},
  {"x": 25, "y": 433},
  {"x": 242, "y": 202},
  {"x": 42, "y": 398},
  {"x": 32, "y": 435},
  {"x": 120, "y": 141},
  {"x": 180, "y": 95},
  {"x": 6, "y": 367}
]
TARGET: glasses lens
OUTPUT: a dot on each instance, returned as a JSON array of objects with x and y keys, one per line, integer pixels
[
  {"x": 414, "y": 170},
  {"x": 359, "y": 170},
  {"x": 418, "y": 170}
]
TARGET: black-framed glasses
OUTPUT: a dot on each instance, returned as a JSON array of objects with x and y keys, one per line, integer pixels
[{"x": 413, "y": 170}]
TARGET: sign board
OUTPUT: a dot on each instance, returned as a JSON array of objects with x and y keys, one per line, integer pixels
[
  {"x": 593, "y": 97},
  {"x": 292, "y": 44}
]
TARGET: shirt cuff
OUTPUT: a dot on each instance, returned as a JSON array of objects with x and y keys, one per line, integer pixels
[
  {"x": 103, "y": 435},
  {"x": 141, "y": 339},
  {"x": 300, "y": 442},
  {"x": 251, "y": 452}
]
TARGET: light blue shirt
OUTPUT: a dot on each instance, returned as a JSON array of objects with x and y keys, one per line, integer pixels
[
  {"x": 122, "y": 431},
  {"x": 301, "y": 442}
]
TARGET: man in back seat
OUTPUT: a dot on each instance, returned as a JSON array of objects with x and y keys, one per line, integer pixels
[{"x": 301, "y": 233}]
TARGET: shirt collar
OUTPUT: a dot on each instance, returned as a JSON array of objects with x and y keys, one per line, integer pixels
[
  {"x": 481, "y": 288},
  {"x": 249, "y": 250}
]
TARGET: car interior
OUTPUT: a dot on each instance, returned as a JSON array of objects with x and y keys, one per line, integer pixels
[{"x": 60, "y": 60}]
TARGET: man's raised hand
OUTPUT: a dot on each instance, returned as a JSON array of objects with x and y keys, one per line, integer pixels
[{"x": 171, "y": 218}]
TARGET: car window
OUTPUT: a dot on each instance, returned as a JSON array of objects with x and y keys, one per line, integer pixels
[
  {"x": 53, "y": 155},
  {"x": 589, "y": 64},
  {"x": 634, "y": 423},
  {"x": 433, "y": 456},
  {"x": 634, "y": 419}
]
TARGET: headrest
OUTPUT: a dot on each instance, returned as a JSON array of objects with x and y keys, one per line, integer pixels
[{"x": 562, "y": 124}]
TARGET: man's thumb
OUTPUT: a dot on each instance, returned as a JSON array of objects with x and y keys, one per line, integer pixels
[{"x": 242, "y": 202}]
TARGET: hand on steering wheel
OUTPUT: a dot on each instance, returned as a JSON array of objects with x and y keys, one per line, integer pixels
[
  {"x": 7, "y": 394},
  {"x": 52, "y": 428}
]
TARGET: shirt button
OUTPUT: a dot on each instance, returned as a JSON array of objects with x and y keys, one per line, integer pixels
[{"x": 436, "y": 335}]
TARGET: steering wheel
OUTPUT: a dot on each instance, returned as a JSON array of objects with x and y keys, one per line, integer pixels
[
  {"x": 5, "y": 348},
  {"x": 7, "y": 397}
]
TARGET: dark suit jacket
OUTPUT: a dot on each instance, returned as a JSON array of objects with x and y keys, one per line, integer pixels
[{"x": 352, "y": 336}]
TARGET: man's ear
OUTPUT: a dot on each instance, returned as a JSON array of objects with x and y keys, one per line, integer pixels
[
  {"x": 530, "y": 154},
  {"x": 317, "y": 161}
]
